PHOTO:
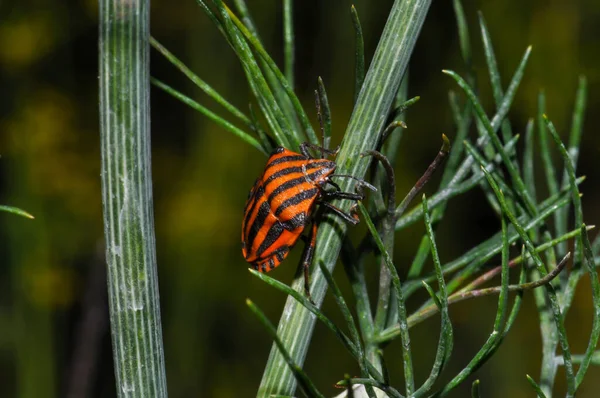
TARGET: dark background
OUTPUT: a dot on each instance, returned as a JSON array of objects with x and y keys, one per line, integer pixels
[{"x": 53, "y": 328}]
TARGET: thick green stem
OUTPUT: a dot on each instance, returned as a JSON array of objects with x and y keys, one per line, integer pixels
[
  {"x": 366, "y": 123},
  {"x": 127, "y": 198}
]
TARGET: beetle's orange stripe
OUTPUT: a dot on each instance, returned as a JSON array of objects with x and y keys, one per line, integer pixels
[{"x": 279, "y": 206}]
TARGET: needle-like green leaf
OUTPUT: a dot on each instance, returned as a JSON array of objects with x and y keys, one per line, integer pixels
[
  {"x": 15, "y": 210},
  {"x": 212, "y": 116},
  {"x": 306, "y": 385}
]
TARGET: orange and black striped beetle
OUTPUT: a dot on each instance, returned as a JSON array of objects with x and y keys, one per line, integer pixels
[{"x": 282, "y": 202}]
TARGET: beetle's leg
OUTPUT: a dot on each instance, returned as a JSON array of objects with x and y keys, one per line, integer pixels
[
  {"x": 305, "y": 146},
  {"x": 361, "y": 183},
  {"x": 342, "y": 195},
  {"x": 307, "y": 257},
  {"x": 333, "y": 184},
  {"x": 352, "y": 220}
]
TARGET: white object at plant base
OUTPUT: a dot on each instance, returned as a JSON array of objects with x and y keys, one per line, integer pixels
[{"x": 360, "y": 392}]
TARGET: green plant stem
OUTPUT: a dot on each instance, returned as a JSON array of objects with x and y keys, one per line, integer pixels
[
  {"x": 363, "y": 132},
  {"x": 304, "y": 381},
  {"x": 288, "y": 41},
  {"x": 127, "y": 199},
  {"x": 402, "y": 316},
  {"x": 574, "y": 143}
]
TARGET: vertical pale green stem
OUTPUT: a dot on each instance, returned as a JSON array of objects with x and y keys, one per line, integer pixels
[
  {"x": 366, "y": 123},
  {"x": 127, "y": 198},
  {"x": 288, "y": 38}
]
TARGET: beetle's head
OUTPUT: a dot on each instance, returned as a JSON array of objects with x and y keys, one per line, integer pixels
[{"x": 319, "y": 175}]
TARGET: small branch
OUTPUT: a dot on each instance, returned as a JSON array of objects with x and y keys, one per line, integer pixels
[
  {"x": 428, "y": 311},
  {"x": 425, "y": 177}
]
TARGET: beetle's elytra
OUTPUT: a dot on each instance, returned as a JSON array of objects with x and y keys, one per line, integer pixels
[{"x": 281, "y": 204}]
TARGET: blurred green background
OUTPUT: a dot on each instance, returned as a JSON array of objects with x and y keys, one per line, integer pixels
[{"x": 54, "y": 339}]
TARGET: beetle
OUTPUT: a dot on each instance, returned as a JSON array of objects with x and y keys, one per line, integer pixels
[{"x": 282, "y": 202}]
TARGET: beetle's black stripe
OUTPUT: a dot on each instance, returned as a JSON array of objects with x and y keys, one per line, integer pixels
[
  {"x": 294, "y": 200},
  {"x": 253, "y": 189},
  {"x": 293, "y": 169},
  {"x": 258, "y": 193},
  {"x": 277, "y": 150},
  {"x": 274, "y": 233},
  {"x": 283, "y": 159},
  {"x": 299, "y": 220},
  {"x": 279, "y": 255},
  {"x": 296, "y": 181},
  {"x": 263, "y": 212}
]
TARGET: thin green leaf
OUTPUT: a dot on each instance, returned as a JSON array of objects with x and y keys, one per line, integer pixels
[
  {"x": 576, "y": 198},
  {"x": 574, "y": 143},
  {"x": 528, "y": 168},
  {"x": 386, "y": 374},
  {"x": 307, "y": 386},
  {"x": 356, "y": 276},
  {"x": 577, "y": 124},
  {"x": 245, "y": 16},
  {"x": 201, "y": 84},
  {"x": 519, "y": 297},
  {"x": 402, "y": 322},
  {"x": 475, "y": 389},
  {"x": 272, "y": 111},
  {"x": 595, "y": 334},
  {"x": 305, "y": 302},
  {"x": 463, "y": 33},
  {"x": 266, "y": 141},
  {"x": 16, "y": 210},
  {"x": 477, "y": 256},
  {"x": 465, "y": 166},
  {"x": 297, "y": 106},
  {"x": 278, "y": 91},
  {"x": 495, "y": 337},
  {"x": 520, "y": 188},
  {"x": 403, "y": 106},
  {"x": 536, "y": 387},
  {"x": 470, "y": 293},
  {"x": 359, "y": 58},
  {"x": 555, "y": 306},
  {"x": 325, "y": 114},
  {"x": 492, "y": 246},
  {"x": 337, "y": 294},
  {"x": 495, "y": 79},
  {"x": 432, "y": 294},
  {"x": 212, "y": 116},
  {"x": 544, "y": 146},
  {"x": 383, "y": 313},
  {"x": 446, "y": 338}
]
